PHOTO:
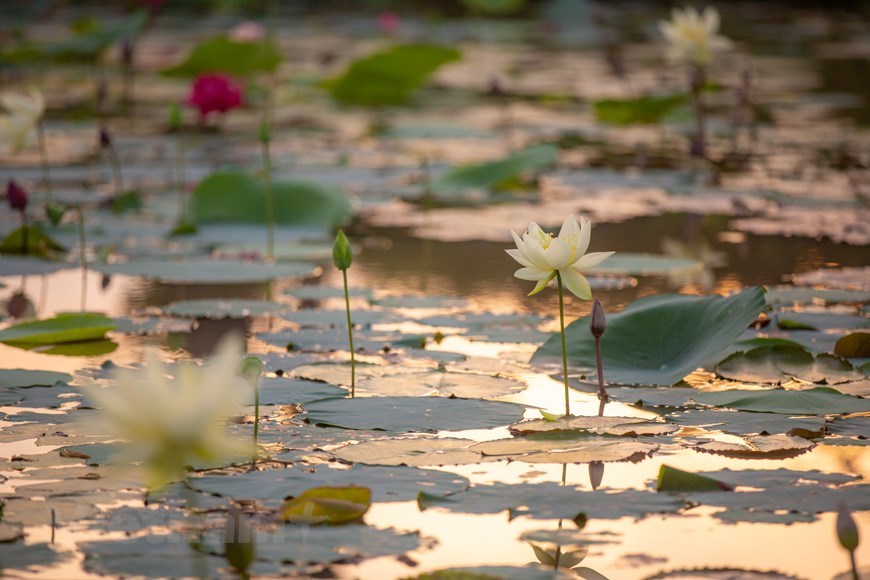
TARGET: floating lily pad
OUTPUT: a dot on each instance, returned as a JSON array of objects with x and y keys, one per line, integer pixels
[
  {"x": 553, "y": 501},
  {"x": 629, "y": 264},
  {"x": 333, "y": 339},
  {"x": 327, "y": 505},
  {"x": 232, "y": 57},
  {"x": 421, "y": 302},
  {"x": 69, "y": 327},
  {"x": 747, "y": 423},
  {"x": 283, "y": 391},
  {"x": 326, "y": 292},
  {"x": 339, "y": 373},
  {"x": 816, "y": 401},
  {"x": 412, "y": 414},
  {"x": 759, "y": 447},
  {"x": 821, "y": 321},
  {"x": 778, "y": 363},
  {"x": 386, "y": 483},
  {"x": 446, "y": 384},
  {"x": 31, "y": 378},
  {"x": 235, "y": 197},
  {"x": 491, "y": 174},
  {"x": 787, "y": 295},
  {"x": 650, "y": 397},
  {"x": 390, "y": 77},
  {"x": 855, "y": 345},
  {"x": 581, "y": 450},
  {"x": 236, "y": 308},
  {"x": 339, "y": 317},
  {"x": 154, "y": 556},
  {"x": 627, "y": 426},
  {"x": 199, "y": 271},
  {"x": 16, "y": 556},
  {"x": 640, "y": 110},
  {"x": 417, "y": 452},
  {"x": 21, "y": 266},
  {"x": 660, "y": 339}
]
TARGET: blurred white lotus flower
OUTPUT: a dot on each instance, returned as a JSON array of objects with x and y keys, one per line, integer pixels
[
  {"x": 542, "y": 255},
  {"x": 171, "y": 423},
  {"x": 692, "y": 36},
  {"x": 25, "y": 113}
]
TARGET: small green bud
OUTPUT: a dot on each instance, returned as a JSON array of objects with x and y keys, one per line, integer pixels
[
  {"x": 239, "y": 543},
  {"x": 265, "y": 134},
  {"x": 847, "y": 531},
  {"x": 342, "y": 254},
  {"x": 597, "y": 323},
  {"x": 250, "y": 369},
  {"x": 55, "y": 212},
  {"x": 176, "y": 121}
]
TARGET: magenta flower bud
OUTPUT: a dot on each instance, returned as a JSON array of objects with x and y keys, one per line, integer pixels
[
  {"x": 16, "y": 196},
  {"x": 105, "y": 138},
  {"x": 597, "y": 323},
  {"x": 215, "y": 93}
]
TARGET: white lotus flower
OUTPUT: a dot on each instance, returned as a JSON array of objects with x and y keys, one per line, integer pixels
[
  {"x": 692, "y": 36},
  {"x": 25, "y": 112},
  {"x": 171, "y": 423},
  {"x": 542, "y": 255}
]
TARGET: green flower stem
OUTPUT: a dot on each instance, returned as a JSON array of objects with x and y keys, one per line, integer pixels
[
  {"x": 697, "y": 81},
  {"x": 349, "y": 337},
  {"x": 854, "y": 565},
  {"x": 118, "y": 177},
  {"x": 24, "y": 248},
  {"x": 83, "y": 256},
  {"x": 564, "y": 347},
  {"x": 270, "y": 202},
  {"x": 43, "y": 158},
  {"x": 256, "y": 420},
  {"x": 181, "y": 179},
  {"x": 602, "y": 394}
]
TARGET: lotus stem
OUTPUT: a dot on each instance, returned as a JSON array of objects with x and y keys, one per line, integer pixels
[
  {"x": 854, "y": 565},
  {"x": 270, "y": 202},
  {"x": 256, "y": 384},
  {"x": 200, "y": 564},
  {"x": 697, "y": 81},
  {"x": 43, "y": 160},
  {"x": 597, "y": 326},
  {"x": 181, "y": 178},
  {"x": 83, "y": 256},
  {"x": 24, "y": 247},
  {"x": 349, "y": 336},
  {"x": 564, "y": 347},
  {"x": 117, "y": 175}
]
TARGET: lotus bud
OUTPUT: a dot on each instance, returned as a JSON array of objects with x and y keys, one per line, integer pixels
[
  {"x": 847, "y": 531},
  {"x": 250, "y": 369},
  {"x": 342, "y": 254},
  {"x": 16, "y": 196},
  {"x": 239, "y": 545},
  {"x": 597, "y": 323},
  {"x": 105, "y": 138}
]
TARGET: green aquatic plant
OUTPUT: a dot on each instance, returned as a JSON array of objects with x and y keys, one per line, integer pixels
[
  {"x": 545, "y": 257},
  {"x": 693, "y": 39},
  {"x": 342, "y": 257},
  {"x": 250, "y": 370}
]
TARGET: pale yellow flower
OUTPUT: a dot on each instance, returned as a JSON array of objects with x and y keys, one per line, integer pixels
[
  {"x": 692, "y": 36},
  {"x": 169, "y": 423},
  {"x": 25, "y": 113},
  {"x": 542, "y": 255}
]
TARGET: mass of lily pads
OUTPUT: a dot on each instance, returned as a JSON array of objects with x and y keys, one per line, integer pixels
[{"x": 263, "y": 405}]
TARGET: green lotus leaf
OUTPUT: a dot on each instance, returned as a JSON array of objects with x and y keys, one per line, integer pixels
[
  {"x": 659, "y": 340},
  {"x": 68, "y": 327},
  {"x": 391, "y": 76}
]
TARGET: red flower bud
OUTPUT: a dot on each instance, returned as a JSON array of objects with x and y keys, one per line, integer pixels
[
  {"x": 16, "y": 196},
  {"x": 214, "y": 94}
]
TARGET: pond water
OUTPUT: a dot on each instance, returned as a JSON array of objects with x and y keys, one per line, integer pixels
[{"x": 455, "y": 486}]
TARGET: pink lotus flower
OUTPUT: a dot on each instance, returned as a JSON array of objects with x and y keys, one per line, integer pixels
[
  {"x": 388, "y": 22},
  {"x": 214, "y": 93}
]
